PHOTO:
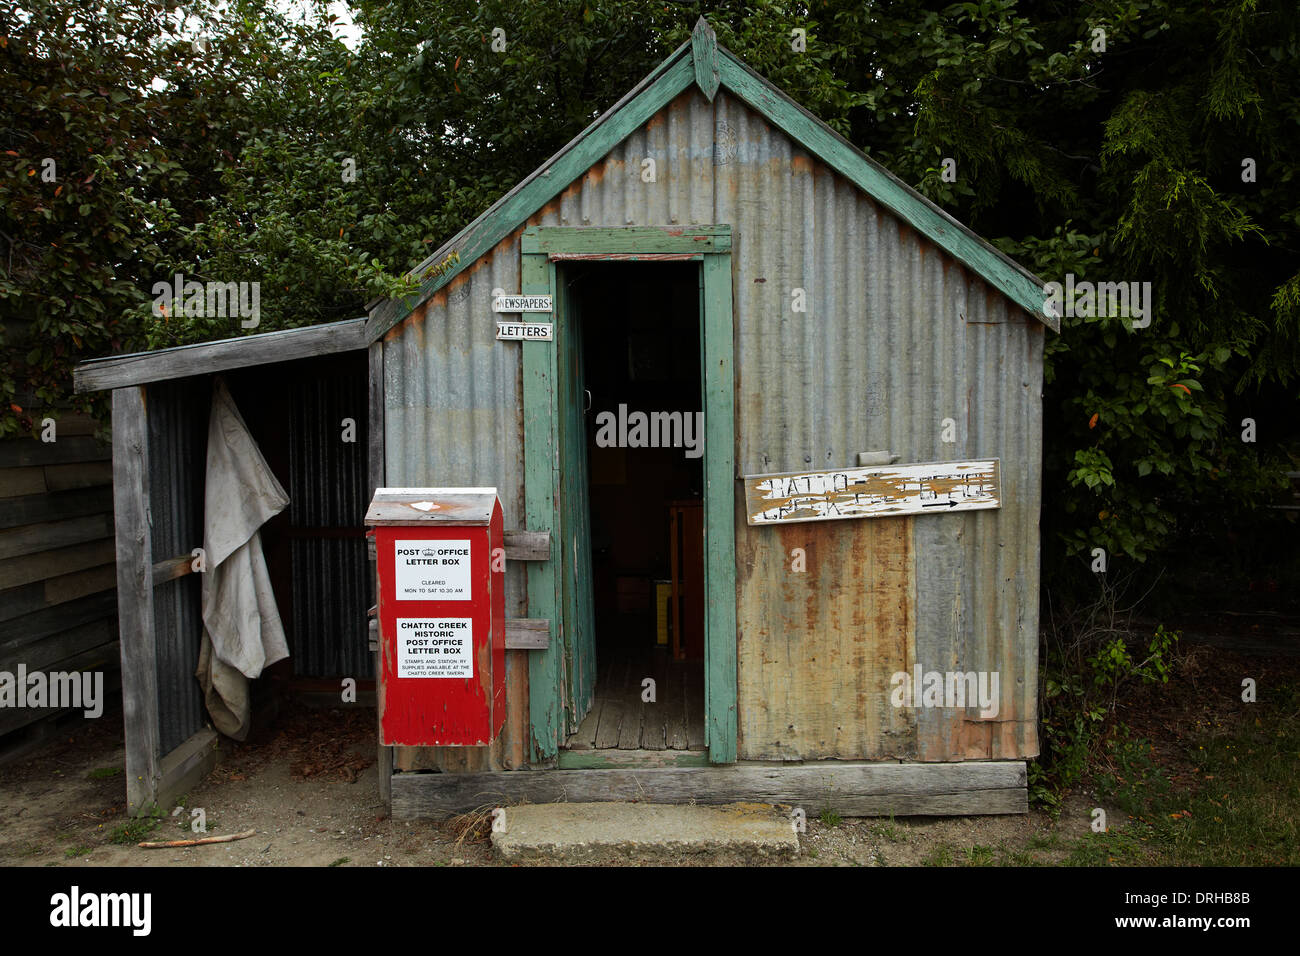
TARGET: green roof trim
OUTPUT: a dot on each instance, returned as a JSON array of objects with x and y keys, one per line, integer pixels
[
  {"x": 701, "y": 61},
  {"x": 704, "y": 54}
]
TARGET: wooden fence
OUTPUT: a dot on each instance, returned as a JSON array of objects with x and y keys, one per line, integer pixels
[{"x": 58, "y": 598}]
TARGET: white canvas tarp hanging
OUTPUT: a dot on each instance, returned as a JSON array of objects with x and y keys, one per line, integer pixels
[{"x": 242, "y": 632}]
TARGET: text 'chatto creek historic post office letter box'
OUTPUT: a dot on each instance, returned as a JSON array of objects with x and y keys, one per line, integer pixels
[{"x": 441, "y": 615}]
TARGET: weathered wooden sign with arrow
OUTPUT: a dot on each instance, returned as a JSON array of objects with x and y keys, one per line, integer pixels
[{"x": 876, "y": 492}]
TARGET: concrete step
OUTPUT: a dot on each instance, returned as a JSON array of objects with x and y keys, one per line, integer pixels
[{"x": 576, "y": 831}]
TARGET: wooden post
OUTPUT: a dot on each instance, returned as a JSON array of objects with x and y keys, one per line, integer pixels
[
  {"x": 135, "y": 596},
  {"x": 376, "y": 466},
  {"x": 541, "y": 506},
  {"x": 719, "y": 510}
]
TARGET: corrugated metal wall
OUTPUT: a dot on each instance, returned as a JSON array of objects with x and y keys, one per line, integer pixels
[
  {"x": 895, "y": 338},
  {"x": 178, "y": 428},
  {"x": 328, "y": 495}
]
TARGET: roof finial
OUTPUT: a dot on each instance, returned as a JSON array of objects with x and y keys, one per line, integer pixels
[{"x": 704, "y": 52}]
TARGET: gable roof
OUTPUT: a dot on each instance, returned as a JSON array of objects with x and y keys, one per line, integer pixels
[{"x": 703, "y": 62}]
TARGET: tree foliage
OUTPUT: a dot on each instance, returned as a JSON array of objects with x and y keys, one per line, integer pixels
[{"x": 1109, "y": 140}]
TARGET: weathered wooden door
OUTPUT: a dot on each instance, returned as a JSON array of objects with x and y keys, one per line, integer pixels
[{"x": 575, "y": 513}]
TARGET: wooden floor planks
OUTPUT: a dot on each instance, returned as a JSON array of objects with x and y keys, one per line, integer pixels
[{"x": 621, "y": 720}]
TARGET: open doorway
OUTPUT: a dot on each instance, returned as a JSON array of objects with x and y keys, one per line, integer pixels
[{"x": 639, "y": 356}]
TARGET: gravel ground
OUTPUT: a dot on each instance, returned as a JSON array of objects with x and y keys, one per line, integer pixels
[{"x": 308, "y": 787}]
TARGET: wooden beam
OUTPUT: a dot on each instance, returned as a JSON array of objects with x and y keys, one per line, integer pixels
[
  {"x": 527, "y": 545},
  {"x": 55, "y": 506},
  {"x": 49, "y": 564},
  {"x": 719, "y": 384},
  {"x": 852, "y": 789},
  {"x": 36, "y": 538},
  {"x": 629, "y": 759},
  {"x": 103, "y": 658},
  {"x": 541, "y": 493},
  {"x": 18, "y": 635},
  {"x": 23, "y": 453},
  {"x": 208, "y": 357},
  {"x": 528, "y": 634},
  {"x": 704, "y": 54},
  {"x": 135, "y": 597},
  {"x": 172, "y": 568},
  {"x": 184, "y": 767},
  {"x": 630, "y": 240},
  {"x": 375, "y": 469}
]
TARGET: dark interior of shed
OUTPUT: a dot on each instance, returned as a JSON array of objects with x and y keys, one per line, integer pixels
[
  {"x": 640, "y": 327},
  {"x": 309, "y": 419}
]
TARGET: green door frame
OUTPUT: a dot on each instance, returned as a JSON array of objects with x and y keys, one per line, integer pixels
[{"x": 540, "y": 248}]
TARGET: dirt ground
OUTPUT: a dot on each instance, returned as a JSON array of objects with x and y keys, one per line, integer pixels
[{"x": 308, "y": 787}]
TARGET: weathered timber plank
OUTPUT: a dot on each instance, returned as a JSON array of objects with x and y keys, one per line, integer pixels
[
  {"x": 79, "y": 639},
  {"x": 634, "y": 708},
  {"x": 541, "y": 499},
  {"x": 55, "y": 506},
  {"x": 528, "y": 633},
  {"x": 719, "y": 385},
  {"x": 649, "y": 240},
  {"x": 514, "y": 743},
  {"x": 86, "y": 474},
  {"x": 51, "y": 564},
  {"x": 24, "y": 452},
  {"x": 21, "y": 481},
  {"x": 704, "y": 54},
  {"x": 203, "y": 359},
  {"x": 612, "y": 708},
  {"x": 527, "y": 545},
  {"x": 654, "y": 722},
  {"x": 135, "y": 590},
  {"x": 584, "y": 738},
  {"x": 33, "y": 538},
  {"x": 375, "y": 470},
  {"x": 574, "y": 759},
  {"x": 24, "y": 599},
  {"x": 851, "y": 789},
  {"x": 675, "y": 732},
  {"x": 19, "y": 633},
  {"x": 104, "y": 658},
  {"x": 78, "y": 584},
  {"x": 694, "y": 707},
  {"x": 185, "y": 766},
  {"x": 172, "y": 568}
]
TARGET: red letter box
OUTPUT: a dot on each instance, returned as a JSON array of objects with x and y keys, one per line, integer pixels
[{"x": 442, "y": 644}]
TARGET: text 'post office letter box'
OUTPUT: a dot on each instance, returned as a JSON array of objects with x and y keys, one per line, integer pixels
[{"x": 442, "y": 646}]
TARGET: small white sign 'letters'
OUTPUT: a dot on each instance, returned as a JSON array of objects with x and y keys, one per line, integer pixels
[{"x": 524, "y": 331}]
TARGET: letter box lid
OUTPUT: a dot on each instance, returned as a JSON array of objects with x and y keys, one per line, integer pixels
[{"x": 437, "y": 506}]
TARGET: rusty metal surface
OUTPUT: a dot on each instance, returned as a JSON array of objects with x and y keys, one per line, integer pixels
[{"x": 896, "y": 338}]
